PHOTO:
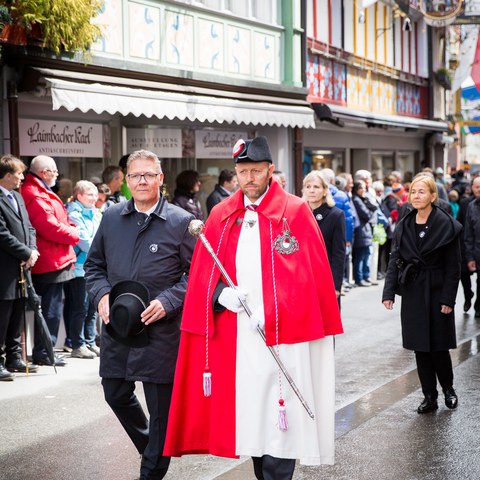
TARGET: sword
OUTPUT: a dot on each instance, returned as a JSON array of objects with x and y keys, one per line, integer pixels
[{"x": 195, "y": 228}]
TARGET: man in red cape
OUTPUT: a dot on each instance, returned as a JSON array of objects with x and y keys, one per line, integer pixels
[{"x": 229, "y": 397}]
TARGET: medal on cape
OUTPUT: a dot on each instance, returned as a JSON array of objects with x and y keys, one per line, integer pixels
[{"x": 285, "y": 243}]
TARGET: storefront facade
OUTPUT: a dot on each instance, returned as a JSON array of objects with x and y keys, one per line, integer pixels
[{"x": 195, "y": 80}]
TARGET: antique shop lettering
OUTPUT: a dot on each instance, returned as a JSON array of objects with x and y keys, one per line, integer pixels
[
  {"x": 219, "y": 140},
  {"x": 63, "y": 136}
]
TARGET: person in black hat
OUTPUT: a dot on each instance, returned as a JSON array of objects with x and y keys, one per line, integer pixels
[
  {"x": 270, "y": 245},
  {"x": 136, "y": 273}
]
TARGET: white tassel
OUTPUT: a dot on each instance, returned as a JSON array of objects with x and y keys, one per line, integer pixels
[
  {"x": 282, "y": 416},
  {"x": 207, "y": 384}
]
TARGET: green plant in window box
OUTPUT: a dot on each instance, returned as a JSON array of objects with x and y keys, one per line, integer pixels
[
  {"x": 58, "y": 25},
  {"x": 444, "y": 78}
]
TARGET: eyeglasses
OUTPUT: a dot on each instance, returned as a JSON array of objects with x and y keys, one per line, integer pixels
[
  {"x": 255, "y": 172},
  {"x": 148, "y": 177},
  {"x": 51, "y": 171}
]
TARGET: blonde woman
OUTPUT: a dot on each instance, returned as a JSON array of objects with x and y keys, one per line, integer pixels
[
  {"x": 331, "y": 221},
  {"x": 424, "y": 268}
]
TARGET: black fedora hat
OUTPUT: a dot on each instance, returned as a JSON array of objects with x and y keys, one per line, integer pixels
[
  {"x": 128, "y": 299},
  {"x": 255, "y": 150}
]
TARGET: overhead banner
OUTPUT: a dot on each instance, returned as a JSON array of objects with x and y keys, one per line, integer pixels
[
  {"x": 60, "y": 139},
  {"x": 164, "y": 142},
  {"x": 216, "y": 144},
  {"x": 467, "y": 53}
]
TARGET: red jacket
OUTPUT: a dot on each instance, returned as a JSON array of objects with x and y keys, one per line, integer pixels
[
  {"x": 56, "y": 236},
  {"x": 307, "y": 310}
]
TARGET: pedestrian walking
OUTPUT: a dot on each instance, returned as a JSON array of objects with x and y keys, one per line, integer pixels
[
  {"x": 136, "y": 273},
  {"x": 185, "y": 196},
  {"x": 227, "y": 184},
  {"x": 362, "y": 250},
  {"x": 424, "y": 268},
  {"x": 264, "y": 237},
  {"x": 466, "y": 274},
  {"x": 82, "y": 318},
  {"x": 331, "y": 221},
  {"x": 56, "y": 237},
  {"x": 112, "y": 177},
  {"x": 472, "y": 244},
  {"x": 18, "y": 250}
]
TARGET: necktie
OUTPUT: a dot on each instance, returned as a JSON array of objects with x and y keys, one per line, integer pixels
[
  {"x": 251, "y": 207},
  {"x": 13, "y": 201}
]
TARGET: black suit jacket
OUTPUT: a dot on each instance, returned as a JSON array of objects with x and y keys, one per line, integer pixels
[{"x": 17, "y": 240}]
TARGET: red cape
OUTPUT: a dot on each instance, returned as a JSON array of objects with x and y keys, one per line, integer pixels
[{"x": 299, "y": 286}]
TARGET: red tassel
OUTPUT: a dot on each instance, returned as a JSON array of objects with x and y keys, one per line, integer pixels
[
  {"x": 207, "y": 383},
  {"x": 282, "y": 416}
]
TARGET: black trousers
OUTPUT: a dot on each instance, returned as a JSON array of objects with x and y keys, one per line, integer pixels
[
  {"x": 148, "y": 436},
  {"x": 433, "y": 365},
  {"x": 11, "y": 322},
  {"x": 272, "y": 468}
]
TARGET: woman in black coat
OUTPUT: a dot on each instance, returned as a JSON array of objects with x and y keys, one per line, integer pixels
[
  {"x": 331, "y": 221},
  {"x": 185, "y": 195},
  {"x": 363, "y": 235},
  {"x": 424, "y": 268}
]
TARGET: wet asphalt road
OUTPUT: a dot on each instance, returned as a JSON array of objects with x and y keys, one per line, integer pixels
[{"x": 58, "y": 427}]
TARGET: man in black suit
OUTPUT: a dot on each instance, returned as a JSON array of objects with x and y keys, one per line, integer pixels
[{"x": 17, "y": 247}]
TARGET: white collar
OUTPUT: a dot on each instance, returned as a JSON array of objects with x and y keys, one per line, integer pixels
[{"x": 149, "y": 211}]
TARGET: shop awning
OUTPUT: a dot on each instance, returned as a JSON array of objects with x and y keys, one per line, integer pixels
[
  {"x": 382, "y": 120},
  {"x": 112, "y": 99}
]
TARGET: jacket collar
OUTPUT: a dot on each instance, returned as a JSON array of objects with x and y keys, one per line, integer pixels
[{"x": 160, "y": 211}]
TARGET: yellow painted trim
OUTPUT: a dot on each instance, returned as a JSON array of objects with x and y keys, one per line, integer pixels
[
  {"x": 354, "y": 26},
  {"x": 375, "y": 23},
  {"x": 385, "y": 43},
  {"x": 365, "y": 34}
]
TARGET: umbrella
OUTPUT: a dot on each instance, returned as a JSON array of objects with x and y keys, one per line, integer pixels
[{"x": 40, "y": 324}]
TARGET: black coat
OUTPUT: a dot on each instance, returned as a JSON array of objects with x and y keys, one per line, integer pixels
[
  {"x": 17, "y": 240},
  {"x": 407, "y": 207},
  {"x": 216, "y": 196},
  {"x": 363, "y": 234},
  {"x": 157, "y": 253},
  {"x": 472, "y": 232},
  {"x": 331, "y": 221},
  {"x": 189, "y": 202},
  {"x": 430, "y": 271}
]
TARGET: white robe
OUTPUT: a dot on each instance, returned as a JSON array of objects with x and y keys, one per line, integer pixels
[{"x": 258, "y": 379}]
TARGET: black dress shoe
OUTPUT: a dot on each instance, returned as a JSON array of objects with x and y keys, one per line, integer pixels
[
  {"x": 5, "y": 375},
  {"x": 467, "y": 305},
  {"x": 428, "y": 405},
  {"x": 451, "y": 399},
  {"x": 59, "y": 361},
  {"x": 18, "y": 365}
]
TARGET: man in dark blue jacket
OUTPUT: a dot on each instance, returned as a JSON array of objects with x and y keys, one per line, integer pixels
[
  {"x": 17, "y": 247},
  {"x": 227, "y": 184},
  {"x": 145, "y": 239}
]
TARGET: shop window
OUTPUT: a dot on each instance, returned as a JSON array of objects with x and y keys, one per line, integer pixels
[
  {"x": 405, "y": 162},
  {"x": 316, "y": 159},
  {"x": 382, "y": 164}
]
